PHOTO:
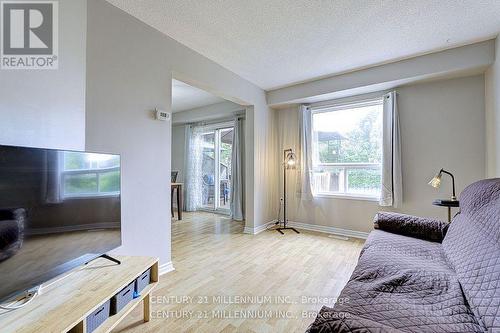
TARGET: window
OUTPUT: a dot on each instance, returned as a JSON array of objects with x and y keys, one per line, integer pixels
[
  {"x": 90, "y": 175},
  {"x": 347, "y": 150}
]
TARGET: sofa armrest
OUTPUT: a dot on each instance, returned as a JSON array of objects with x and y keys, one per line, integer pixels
[
  {"x": 413, "y": 226},
  {"x": 11, "y": 232}
]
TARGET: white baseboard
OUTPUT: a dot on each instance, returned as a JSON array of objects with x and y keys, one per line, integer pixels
[
  {"x": 310, "y": 227},
  {"x": 329, "y": 230},
  {"x": 165, "y": 268},
  {"x": 257, "y": 229}
]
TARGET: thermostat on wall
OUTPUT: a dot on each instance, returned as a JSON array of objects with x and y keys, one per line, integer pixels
[{"x": 162, "y": 115}]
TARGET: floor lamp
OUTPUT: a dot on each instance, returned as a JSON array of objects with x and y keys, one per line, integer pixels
[{"x": 288, "y": 162}]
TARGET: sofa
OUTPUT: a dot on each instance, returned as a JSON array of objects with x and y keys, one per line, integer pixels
[
  {"x": 422, "y": 275},
  {"x": 11, "y": 232}
]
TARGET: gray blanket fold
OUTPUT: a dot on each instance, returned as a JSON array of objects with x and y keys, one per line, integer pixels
[{"x": 413, "y": 226}]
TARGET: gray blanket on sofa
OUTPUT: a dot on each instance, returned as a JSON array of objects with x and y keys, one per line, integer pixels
[{"x": 406, "y": 280}]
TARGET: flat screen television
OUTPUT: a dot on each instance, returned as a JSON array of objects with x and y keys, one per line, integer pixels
[{"x": 58, "y": 210}]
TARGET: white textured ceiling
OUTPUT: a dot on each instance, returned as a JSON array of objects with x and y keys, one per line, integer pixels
[
  {"x": 186, "y": 97},
  {"x": 274, "y": 43}
]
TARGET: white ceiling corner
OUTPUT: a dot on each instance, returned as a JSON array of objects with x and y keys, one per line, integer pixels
[
  {"x": 279, "y": 42},
  {"x": 186, "y": 97}
]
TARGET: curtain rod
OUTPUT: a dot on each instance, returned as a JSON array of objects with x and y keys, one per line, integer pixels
[
  {"x": 344, "y": 103},
  {"x": 217, "y": 121},
  {"x": 377, "y": 96}
]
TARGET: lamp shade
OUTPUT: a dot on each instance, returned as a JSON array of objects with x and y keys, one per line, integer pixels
[
  {"x": 436, "y": 181},
  {"x": 290, "y": 159}
]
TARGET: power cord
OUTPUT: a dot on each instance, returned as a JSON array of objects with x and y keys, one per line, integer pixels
[
  {"x": 272, "y": 227},
  {"x": 29, "y": 297}
]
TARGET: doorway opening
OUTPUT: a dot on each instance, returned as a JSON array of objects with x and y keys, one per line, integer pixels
[{"x": 208, "y": 145}]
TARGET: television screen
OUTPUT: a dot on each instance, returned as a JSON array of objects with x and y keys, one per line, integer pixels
[{"x": 58, "y": 210}]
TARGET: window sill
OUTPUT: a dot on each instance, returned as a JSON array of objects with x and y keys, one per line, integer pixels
[{"x": 346, "y": 196}]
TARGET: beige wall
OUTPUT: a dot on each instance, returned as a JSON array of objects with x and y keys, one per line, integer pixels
[
  {"x": 113, "y": 71},
  {"x": 223, "y": 110},
  {"x": 442, "y": 125},
  {"x": 472, "y": 58},
  {"x": 492, "y": 81},
  {"x": 46, "y": 108},
  {"x": 178, "y": 150},
  {"x": 129, "y": 72}
]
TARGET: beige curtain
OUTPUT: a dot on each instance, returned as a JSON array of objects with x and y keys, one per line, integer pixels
[
  {"x": 237, "y": 171},
  {"x": 392, "y": 179},
  {"x": 305, "y": 153}
]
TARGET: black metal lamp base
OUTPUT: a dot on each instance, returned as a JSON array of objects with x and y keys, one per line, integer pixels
[{"x": 286, "y": 228}]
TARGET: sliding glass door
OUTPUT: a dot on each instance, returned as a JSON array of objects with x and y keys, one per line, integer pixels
[
  {"x": 216, "y": 169},
  {"x": 225, "y": 155},
  {"x": 208, "y": 170}
]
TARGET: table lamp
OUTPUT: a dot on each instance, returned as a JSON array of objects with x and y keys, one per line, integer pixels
[{"x": 436, "y": 182}]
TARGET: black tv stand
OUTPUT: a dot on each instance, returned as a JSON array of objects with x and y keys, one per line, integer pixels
[{"x": 110, "y": 258}]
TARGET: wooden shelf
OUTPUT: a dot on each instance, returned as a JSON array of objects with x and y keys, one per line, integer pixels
[{"x": 64, "y": 305}]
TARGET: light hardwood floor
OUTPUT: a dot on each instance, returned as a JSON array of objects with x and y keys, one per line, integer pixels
[{"x": 227, "y": 281}]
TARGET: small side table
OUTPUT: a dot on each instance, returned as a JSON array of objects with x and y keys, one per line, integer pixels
[
  {"x": 178, "y": 187},
  {"x": 447, "y": 203}
]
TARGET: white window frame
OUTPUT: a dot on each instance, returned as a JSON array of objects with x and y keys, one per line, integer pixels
[
  {"x": 97, "y": 172},
  {"x": 345, "y": 166},
  {"x": 216, "y": 129}
]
